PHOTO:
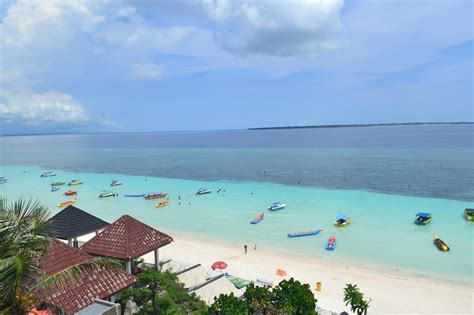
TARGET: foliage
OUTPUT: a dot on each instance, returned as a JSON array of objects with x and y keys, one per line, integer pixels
[
  {"x": 160, "y": 293},
  {"x": 288, "y": 297},
  {"x": 355, "y": 298}
]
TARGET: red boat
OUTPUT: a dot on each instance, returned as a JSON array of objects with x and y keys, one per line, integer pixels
[
  {"x": 156, "y": 196},
  {"x": 70, "y": 193}
]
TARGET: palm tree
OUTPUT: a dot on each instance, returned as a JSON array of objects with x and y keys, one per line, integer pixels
[
  {"x": 355, "y": 298},
  {"x": 23, "y": 245}
]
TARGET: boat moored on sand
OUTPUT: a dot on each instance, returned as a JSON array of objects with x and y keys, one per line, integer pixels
[
  {"x": 304, "y": 233},
  {"x": 48, "y": 174},
  {"x": 70, "y": 193},
  {"x": 276, "y": 206},
  {"x": 155, "y": 196},
  {"x": 342, "y": 220},
  {"x": 115, "y": 183},
  {"x": 442, "y": 246},
  {"x": 469, "y": 214},
  {"x": 258, "y": 218},
  {"x": 203, "y": 191},
  {"x": 106, "y": 194},
  {"x": 331, "y": 244},
  {"x": 162, "y": 203},
  {"x": 75, "y": 182},
  {"x": 423, "y": 218},
  {"x": 67, "y": 203}
]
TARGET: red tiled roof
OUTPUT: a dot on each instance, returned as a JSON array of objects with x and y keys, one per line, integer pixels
[
  {"x": 100, "y": 282},
  {"x": 126, "y": 238}
]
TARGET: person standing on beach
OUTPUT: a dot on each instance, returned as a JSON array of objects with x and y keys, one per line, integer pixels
[
  {"x": 255, "y": 247},
  {"x": 245, "y": 249}
]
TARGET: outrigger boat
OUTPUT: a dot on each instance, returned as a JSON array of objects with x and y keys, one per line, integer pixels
[
  {"x": 3, "y": 180},
  {"x": 440, "y": 244},
  {"x": 70, "y": 193},
  {"x": 75, "y": 182},
  {"x": 304, "y": 233},
  {"x": 203, "y": 191},
  {"x": 105, "y": 194},
  {"x": 136, "y": 196},
  {"x": 423, "y": 218},
  {"x": 342, "y": 220},
  {"x": 276, "y": 206},
  {"x": 155, "y": 196},
  {"x": 53, "y": 189},
  {"x": 163, "y": 203},
  {"x": 57, "y": 183},
  {"x": 67, "y": 203},
  {"x": 258, "y": 218},
  {"x": 115, "y": 183},
  {"x": 469, "y": 214},
  {"x": 331, "y": 245},
  {"x": 48, "y": 174}
]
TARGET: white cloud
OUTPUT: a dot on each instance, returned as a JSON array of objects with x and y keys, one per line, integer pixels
[
  {"x": 33, "y": 108},
  {"x": 147, "y": 71},
  {"x": 276, "y": 28}
]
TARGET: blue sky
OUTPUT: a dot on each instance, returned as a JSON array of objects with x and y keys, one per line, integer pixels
[{"x": 71, "y": 65}]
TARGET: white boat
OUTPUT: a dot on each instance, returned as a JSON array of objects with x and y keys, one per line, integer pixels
[
  {"x": 276, "y": 206},
  {"x": 107, "y": 194},
  {"x": 115, "y": 183},
  {"x": 48, "y": 174},
  {"x": 3, "y": 180},
  {"x": 203, "y": 191}
]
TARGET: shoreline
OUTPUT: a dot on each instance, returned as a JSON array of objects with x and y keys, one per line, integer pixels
[{"x": 405, "y": 291}]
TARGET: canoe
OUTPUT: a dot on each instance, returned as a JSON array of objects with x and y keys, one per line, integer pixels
[
  {"x": 162, "y": 203},
  {"x": 304, "y": 233},
  {"x": 54, "y": 189},
  {"x": 442, "y": 246},
  {"x": 331, "y": 244},
  {"x": 57, "y": 183},
  {"x": 70, "y": 193},
  {"x": 107, "y": 194},
  {"x": 257, "y": 219},
  {"x": 135, "y": 196},
  {"x": 67, "y": 203},
  {"x": 155, "y": 196}
]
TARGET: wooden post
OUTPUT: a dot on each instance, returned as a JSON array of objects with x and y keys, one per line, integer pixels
[{"x": 157, "y": 260}]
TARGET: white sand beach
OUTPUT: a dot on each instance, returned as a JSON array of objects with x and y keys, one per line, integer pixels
[{"x": 391, "y": 293}]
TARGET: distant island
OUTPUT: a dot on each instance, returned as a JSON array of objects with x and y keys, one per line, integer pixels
[{"x": 366, "y": 125}]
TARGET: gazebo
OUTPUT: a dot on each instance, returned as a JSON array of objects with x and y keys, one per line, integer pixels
[
  {"x": 127, "y": 239},
  {"x": 72, "y": 222}
]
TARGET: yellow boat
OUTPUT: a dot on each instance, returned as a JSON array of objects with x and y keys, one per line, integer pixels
[
  {"x": 163, "y": 203},
  {"x": 469, "y": 214},
  {"x": 75, "y": 182},
  {"x": 67, "y": 203},
  {"x": 440, "y": 244},
  {"x": 342, "y": 220}
]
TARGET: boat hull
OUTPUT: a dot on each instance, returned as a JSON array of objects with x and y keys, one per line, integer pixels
[
  {"x": 135, "y": 196},
  {"x": 442, "y": 246},
  {"x": 345, "y": 223},
  {"x": 257, "y": 219},
  {"x": 162, "y": 204},
  {"x": 331, "y": 244},
  {"x": 156, "y": 196},
  {"x": 304, "y": 233}
]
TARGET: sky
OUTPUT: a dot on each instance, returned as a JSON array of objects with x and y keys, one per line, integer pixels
[{"x": 165, "y": 65}]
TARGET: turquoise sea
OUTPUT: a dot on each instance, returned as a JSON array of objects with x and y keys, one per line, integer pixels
[{"x": 253, "y": 173}]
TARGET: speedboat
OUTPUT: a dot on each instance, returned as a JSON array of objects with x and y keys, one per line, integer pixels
[
  {"x": 3, "y": 180},
  {"x": 258, "y": 218},
  {"x": 48, "y": 174},
  {"x": 304, "y": 233},
  {"x": 469, "y": 214},
  {"x": 53, "y": 189},
  {"x": 276, "y": 206},
  {"x": 423, "y": 218},
  {"x": 75, "y": 182},
  {"x": 203, "y": 191},
  {"x": 70, "y": 193},
  {"x": 155, "y": 196},
  {"x": 115, "y": 183},
  {"x": 442, "y": 246},
  {"x": 57, "y": 183},
  {"x": 342, "y": 220},
  {"x": 331, "y": 245},
  {"x": 163, "y": 203},
  {"x": 67, "y": 203},
  {"x": 105, "y": 194}
]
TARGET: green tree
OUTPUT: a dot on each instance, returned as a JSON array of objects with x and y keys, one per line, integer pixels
[
  {"x": 23, "y": 246},
  {"x": 258, "y": 299},
  {"x": 355, "y": 298},
  {"x": 228, "y": 304},
  {"x": 293, "y": 297}
]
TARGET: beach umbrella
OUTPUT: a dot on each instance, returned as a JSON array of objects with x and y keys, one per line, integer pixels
[
  {"x": 281, "y": 272},
  {"x": 219, "y": 265}
]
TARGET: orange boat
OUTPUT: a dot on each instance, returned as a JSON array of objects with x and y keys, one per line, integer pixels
[
  {"x": 67, "y": 203},
  {"x": 163, "y": 203},
  {"x": 70, "y": 193}
]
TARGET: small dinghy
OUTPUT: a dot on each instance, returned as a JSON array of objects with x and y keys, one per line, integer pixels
[
  {"x": 342, "y": 220},
  {"x": 115, "y": 183},
  {"x": 48, "y": 174},
  {"x": 331, "y": 245},
  {"x": 258, "y": 218},
  {"x": 67, "y": 203},
  {"x": 442, "y": 246},
  {"x": 135, "y": 196},
  {"x": 75, "y": 182},
  {"x": 304, "y": 233},
  {"x": 423, "y": 218},
  {"x": 276, "y": 206},
  {"x": 53, "y": 188},
  {"x": 57, "y": 183},
  {"x": 163, "y": 203},
  {"x": 106, "y": 194},
  {"x": 203, "y": 191},
  {"x": 155, "y": 196},
  {"x": 70, "y": 193},
  {"x": 469, "y": 214}
]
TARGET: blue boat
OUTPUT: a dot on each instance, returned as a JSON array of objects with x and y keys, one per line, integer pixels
[
  {"x": 276, "y": 206},
  {"x": 423, "y": 218},
  {"x": 54, "y": 188},
  {"x": 331, "y": 244},
  {"x": 3, "y": 180},
  {"x": 135, "y": 196},
  {"x": 257, "y": 219},
  {"x": 304, "y": 233}
]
